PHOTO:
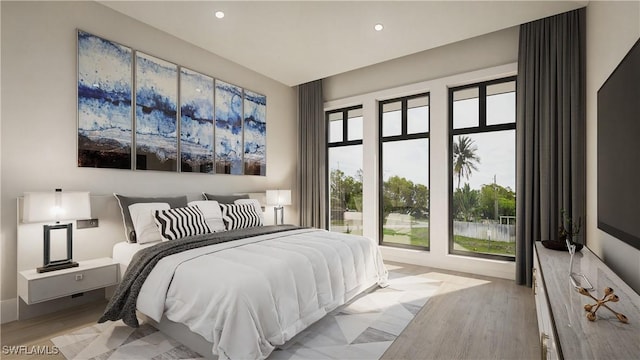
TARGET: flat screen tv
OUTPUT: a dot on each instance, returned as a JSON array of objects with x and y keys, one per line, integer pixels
[{"x": 619, "y": 151}]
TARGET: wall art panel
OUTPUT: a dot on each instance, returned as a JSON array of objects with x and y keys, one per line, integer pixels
[
  {"x": 255, "y": 133},
  {"x": 156, "y": 114},
  {"x": 104, "y": 103},
  {"x": 228, "y": 132},
  {"x": 179, "y": 119},
  {"x": 196, "y": 122}
]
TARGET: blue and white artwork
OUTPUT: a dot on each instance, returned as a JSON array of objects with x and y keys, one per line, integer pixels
[
  {"x": 228, "y": 146},
  {"x": 156, "y": 114},
  {"x": 255, "y": 133},
  {"x": 196, "y": 122},
  {"x": 104, "y": 103}
]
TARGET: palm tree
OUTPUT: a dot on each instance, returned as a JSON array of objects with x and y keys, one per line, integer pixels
[
  {"x": 464, "y": 157},
  {"x": 466, "y": 203}
]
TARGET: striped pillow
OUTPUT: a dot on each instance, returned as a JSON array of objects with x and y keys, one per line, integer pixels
[
  {"x": 238, "y": 216},
  {"x": 177, "y": 223}
]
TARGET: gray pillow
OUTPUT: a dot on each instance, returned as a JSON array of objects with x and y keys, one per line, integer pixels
[
  {"x": 224, "y": 199},
  {"x": 125, "y": 201}
]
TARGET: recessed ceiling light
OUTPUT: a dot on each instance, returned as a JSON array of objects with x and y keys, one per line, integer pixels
[
  {"x": 219, "y": 14},
  {"x": 378, "y": 27}
]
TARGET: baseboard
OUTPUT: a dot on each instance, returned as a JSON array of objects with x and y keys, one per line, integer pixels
[
  {"x": 472, "y": 265},
  {"x": 8, "y": 310}
]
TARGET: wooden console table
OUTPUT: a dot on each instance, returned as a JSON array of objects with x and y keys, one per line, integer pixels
[{"x": 565, "y": 331}]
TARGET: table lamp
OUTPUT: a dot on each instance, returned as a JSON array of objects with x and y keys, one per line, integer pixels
[
  {"x": 278, "y": 198},
  {"x": 56, "y": 206}
]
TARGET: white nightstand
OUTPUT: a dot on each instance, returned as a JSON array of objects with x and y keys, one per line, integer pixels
[{"x": 94, "y": 274}]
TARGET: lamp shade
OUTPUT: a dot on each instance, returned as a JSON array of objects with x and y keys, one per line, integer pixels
[
  {"x": 278, "y": 197},
  {"x": 56, "y": 206}
]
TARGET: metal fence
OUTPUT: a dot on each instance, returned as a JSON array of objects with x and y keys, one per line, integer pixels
[{"x": 491, "y": 231}]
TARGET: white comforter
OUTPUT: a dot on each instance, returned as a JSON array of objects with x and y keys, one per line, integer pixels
[{"x": 260, "y": 292}]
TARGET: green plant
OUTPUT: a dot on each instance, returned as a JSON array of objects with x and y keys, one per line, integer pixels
[{"x": 568, "y": 229}]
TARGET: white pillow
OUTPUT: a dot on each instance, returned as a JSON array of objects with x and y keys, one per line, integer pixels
[
  {"x": 144, "y": 222},
  {"x": 212, "y": 214},
  {"x": 256, "y": 204}
]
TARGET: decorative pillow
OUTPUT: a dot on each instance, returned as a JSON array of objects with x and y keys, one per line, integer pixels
[
  {"x": 143, "y": 221},
  {"x": 212, "y": 214},
  {"x": 238, "y": 216},
  {"x": 177, "y": 223},
  {"x": 225, "y": 199},
  {"x": 125, "y": 201},
  {"x": 256, "y": 204}
]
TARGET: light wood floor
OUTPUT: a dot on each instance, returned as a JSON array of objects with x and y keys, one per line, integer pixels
[
  {"x": 471, "y": 317},
  {"x": 37, "y": 331}
]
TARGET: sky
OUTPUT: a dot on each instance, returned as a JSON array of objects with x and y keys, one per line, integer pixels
[{"x": 496, "y": 150}]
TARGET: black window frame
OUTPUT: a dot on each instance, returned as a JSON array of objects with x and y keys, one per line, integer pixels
[
  {"x": 403, "y": 136},
  {"x": 481, "y": 128},
  {"x": 344, "y": 142}
]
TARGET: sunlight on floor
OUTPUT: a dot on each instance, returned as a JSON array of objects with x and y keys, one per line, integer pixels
[{"x": 450, "y": 282}]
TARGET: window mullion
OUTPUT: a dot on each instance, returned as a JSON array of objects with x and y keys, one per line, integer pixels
[
  {"x": 404, "y": 112},
  {"x": 345, "y": 125},
  {"x": 482, "y": 103}
]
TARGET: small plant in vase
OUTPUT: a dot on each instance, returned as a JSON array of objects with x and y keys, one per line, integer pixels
[{"x": 568, "y": 230}]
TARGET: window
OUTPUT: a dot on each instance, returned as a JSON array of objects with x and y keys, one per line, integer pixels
[
  {"x": 482, "y": 121},
  {"x": 344, "y": 160},
  {"x": 404, "y": 171}
]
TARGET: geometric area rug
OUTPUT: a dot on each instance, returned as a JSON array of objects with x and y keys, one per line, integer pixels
[{"x": 362, "y": 329}]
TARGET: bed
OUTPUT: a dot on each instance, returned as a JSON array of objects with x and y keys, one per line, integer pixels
[{"x": 243, "y": 291}]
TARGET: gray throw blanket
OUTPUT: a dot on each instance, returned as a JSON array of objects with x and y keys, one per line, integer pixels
[{"x": 122, "y": 304}]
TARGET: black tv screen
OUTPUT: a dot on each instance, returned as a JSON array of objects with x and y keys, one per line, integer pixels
[{"x": 619, "y": 151}]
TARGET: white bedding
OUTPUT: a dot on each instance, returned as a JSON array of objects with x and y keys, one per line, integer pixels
[
  {"x": 260, "y": 291},
  {"x": 124, "y": 251}
]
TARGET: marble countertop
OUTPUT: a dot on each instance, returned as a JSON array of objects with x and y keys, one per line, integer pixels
[{"x": 579, "y": 338}]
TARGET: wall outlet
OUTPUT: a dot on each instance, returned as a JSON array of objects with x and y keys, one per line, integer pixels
[{"x": 86, "y": 224}]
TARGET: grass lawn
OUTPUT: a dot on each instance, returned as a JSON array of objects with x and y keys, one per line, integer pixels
[
  {"x": 486, "y": 246},
  {"x": 343, "y": 227},
  {"x": 418, "y": 236}
]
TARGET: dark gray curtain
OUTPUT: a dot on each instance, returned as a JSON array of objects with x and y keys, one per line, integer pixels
[
  {"x": 550, "y": 131},
  {"x": 312, "y": 164}
]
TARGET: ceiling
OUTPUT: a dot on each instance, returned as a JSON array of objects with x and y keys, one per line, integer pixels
[{"x": 300, "y": 41}]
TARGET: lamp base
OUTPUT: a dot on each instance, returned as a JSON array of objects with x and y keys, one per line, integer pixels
[
  {"x": 275, "y": 215},
  {"x": 57, "y": 267}
]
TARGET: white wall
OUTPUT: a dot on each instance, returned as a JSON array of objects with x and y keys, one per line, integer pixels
[
  {"x": 612, "y": 28},
  {"x": 497, "y": 48},
  {"x": 38, "y": 131},
  {"x": 6, "y": 306},
  {"x": 433, "y": 71}
]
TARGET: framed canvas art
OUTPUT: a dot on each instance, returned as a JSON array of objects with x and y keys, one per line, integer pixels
[
  {"x": 255, "y": 133},
  {"x": 228, "y": 130},
  {"x": 196, "y": 122},
  {"x": 156, "y": 114},
  {"x": 104, "y": 103}
]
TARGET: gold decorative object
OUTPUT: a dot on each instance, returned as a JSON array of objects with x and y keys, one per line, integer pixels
[{"x": 609, "y": 296}]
